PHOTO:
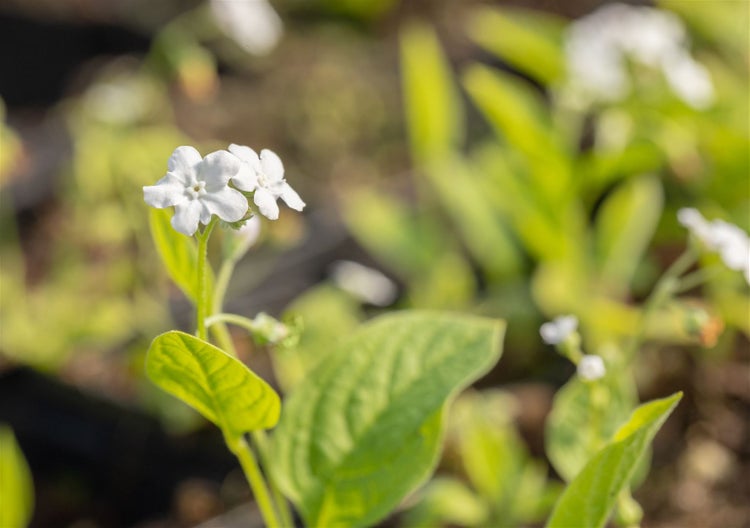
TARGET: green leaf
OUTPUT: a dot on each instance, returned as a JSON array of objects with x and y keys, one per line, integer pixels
[
  {"x": 388, "y": 229},
  {"x": 519, "y": 116},
  {"x": 16, "y": 485},
  {"x": 480, "y": 226},
  {"x": 590, "y": 498},
  {"x": 365, "y": 428},
  {"x": 433, "y": 110},
  {"x": 449, "y": 501},
  {"x": 327, "y": 314},
  {"x": 214, "y": 383},
  {"x": 624, "y": 227},
  {"x": 528, "y": 40},
  {"x": 570, "y": 438},
  {"x": 178, "y": 252}
]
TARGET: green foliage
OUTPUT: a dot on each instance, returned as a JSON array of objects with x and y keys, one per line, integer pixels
[
  {"x": 590, "y": 497},
  {"x": 179, "y": 253},
  {"x": 16, "y": 485},
  {"x": 327, "y": 314},
  {"x": 528, "y": 40},
  {"x": 214, "y": 383},
  {"x": 390, "y": 231},
  {"x": 365, "y": 428},
  {"x": 624, "y": 227},
  {"x": 480, "y": 226},
  {"x": 433, "y": 110},
  {"x": 583, "y": 415},
  {"x": 497, "y": 463},
  {"x": 447, "y": 500}
]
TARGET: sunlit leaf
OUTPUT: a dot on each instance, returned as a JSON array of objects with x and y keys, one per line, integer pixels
[
  {"x": 570, "y": 438},
  {"x": 590, "y": 497},
  {"x": 16, "y": 486},
  {"x": 482, "y": 229},
  {"x": 391, "y": 233},
  {"x": 528, "y": 40},
  {"x": 214, "y": 383},
  {"x": 178, "y": 252},
  {"x": 624, "y": 227},
  {"x": 365, "y": 428},
  {"x": 433, "y": 110},
  {"x": 447, "y": 501}
]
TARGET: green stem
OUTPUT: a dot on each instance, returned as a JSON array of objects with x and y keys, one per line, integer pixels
[
  {"x": 234, "y": 319},
  {"x": 664, "y": 288},
  {"x": 696, "y": 278},
  {"x": 222, "y": 283},
  {"x": 242, "y": 450},
  {"x": 203, "y": 300},
  {"x": 261, "y": 443}
]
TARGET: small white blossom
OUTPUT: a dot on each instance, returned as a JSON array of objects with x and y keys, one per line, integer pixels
[
  {"x": 253, "y": 24},
  {"x": 729, "y": 241},
  {"x": 264, "y": 175},
  {"x": 198, "y": 188},
  {"x": 559, "y": 329},
  {"x": 598, "y": 46},
  {"x": 591, "y": 368},
  {"x": 367, "y": 284}
]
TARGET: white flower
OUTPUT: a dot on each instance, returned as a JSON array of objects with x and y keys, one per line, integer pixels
[
  {"x": 591, "y": 368},
  {"x": 253, "y": 24},
  {"x": 198, "y": 188},
  {"x": 559, "y": 329},
  {"x": 367, "y": 284},
  {"x": 729, "y": 241},
  {"x": 264, "y": 175},
  {"x": 598, "y": 46}
]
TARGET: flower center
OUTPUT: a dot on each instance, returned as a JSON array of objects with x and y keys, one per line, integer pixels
[{"x": 197, "y": 189}]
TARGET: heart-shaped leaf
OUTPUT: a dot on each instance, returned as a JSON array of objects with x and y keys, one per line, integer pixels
[
  {"x": 589, "y": 498},
  {"x": 365, "y": 428},
  {"x": 214, "y": 383}
]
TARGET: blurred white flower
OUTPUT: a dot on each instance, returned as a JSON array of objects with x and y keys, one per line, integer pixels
[
  {"x": 591, "y": 368},
  {"x": 729, "y": 241},
  {"x": 598, "y": 46},
  {"x": 198, "y": 188},
  {"x": 367, "y": 284},
  {"x": 559, "y": 329},
  {"x": 253, "y": 24},
  {"x": 264, "y": 176}
]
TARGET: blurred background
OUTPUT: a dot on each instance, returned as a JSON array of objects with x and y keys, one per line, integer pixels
[{"x": 518, "y": 159}]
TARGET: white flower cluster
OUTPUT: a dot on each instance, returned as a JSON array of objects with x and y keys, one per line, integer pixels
[
  {"x": 729, "y": 241},
  {"x": 559, "y": 329},
  {"x": 598, "y": 46},
  {"x": 198, "y": 188}
]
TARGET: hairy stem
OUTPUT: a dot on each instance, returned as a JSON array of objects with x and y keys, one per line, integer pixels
[
  {"x": 242, "y": 451},
  {"x": 203, "y": 298}
]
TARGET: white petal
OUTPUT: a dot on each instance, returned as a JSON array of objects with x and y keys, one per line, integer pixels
[
  {"x": 247, "y": 155},
  {"x": 183, "y": 161},
  {"x": 272, "y": 166},
  {"x": 205, "y": 212},
  {"x": 291, "y": 198},
  {"x": 227, "y": 204},
  {"x": 167, "y": 192},
  {"x": 591, "y": 368},
  {"x": 246, "y": 179},
  {"x": 266, "y": 202},
  {"x": 186, "y": 216},
  {"x": 217, "y": 168}
]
